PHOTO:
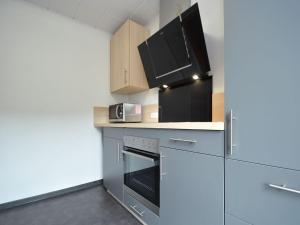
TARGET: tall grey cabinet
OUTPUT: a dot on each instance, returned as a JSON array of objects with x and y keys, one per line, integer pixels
[{"x": 262, "y": 74}]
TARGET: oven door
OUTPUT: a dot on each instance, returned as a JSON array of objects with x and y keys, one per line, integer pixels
[{"x": 141, "y": 176}]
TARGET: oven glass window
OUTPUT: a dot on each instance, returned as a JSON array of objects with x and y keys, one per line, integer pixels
[{"x": 142, "y": 173}]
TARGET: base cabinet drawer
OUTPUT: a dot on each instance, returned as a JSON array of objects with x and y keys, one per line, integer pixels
[
  {"x": 261, "y": 195},
  {"x": 209, "y": 142},
  {"x": 140, "y": 210},
  {"x": 201, "y": 141}
]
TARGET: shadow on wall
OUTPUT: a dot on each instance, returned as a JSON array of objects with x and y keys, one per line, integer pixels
[{"x": 215, "y": 49}]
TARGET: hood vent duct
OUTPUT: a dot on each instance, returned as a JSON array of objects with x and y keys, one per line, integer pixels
[{"x": 170, "y": 9}]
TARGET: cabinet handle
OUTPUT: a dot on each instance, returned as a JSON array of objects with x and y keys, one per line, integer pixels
[
  {"x": 141, "y": 213},
  {"x": 161, "y": 166},
  {"x": 118, "y": 153},
  {"x": 284, "y": 188},
  {"x": 230, "y": 141},
  {"x": 183, "y": 140},
  {"x": 117, "y": 110},
  {"x": 125, "y": 76}
]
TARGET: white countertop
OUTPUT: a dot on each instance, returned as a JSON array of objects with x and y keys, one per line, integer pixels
[{"x": 176, "y": 125}]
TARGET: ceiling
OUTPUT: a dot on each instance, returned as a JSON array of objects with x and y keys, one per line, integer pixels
[{"x": 106, "y": 15}]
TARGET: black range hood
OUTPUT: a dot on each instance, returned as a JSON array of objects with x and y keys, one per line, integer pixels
[{"x": 176, "y": 52}]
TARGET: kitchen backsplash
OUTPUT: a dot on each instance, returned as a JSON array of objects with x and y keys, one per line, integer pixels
[{"x": 145, "y": 98}]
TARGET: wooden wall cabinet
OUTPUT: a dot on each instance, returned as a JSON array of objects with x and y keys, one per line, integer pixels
[{"x": 126, "y": 70}]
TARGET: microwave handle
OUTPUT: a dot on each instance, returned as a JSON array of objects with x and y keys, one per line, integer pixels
[
  {"x": 116, "y": 112},
  {"x": 137, "y": 155}
]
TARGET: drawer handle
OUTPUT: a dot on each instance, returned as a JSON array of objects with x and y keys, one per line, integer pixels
[
  {"x": 141, "y": 213},
  {"x": 183, "y": 140},
  {"x": 284, "y": 188}
]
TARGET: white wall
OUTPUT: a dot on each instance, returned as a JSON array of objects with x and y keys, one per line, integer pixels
[
  {"x": 212, "y": 17},
  {"x": 53, "y": 70}
]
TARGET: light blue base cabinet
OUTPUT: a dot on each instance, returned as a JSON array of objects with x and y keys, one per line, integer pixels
[
  {"x": 113, "y": 166},
  {"x": 261, "y": 195},
  {"x": 192, "y": 188},
  {"x": 192, "y": 181}
]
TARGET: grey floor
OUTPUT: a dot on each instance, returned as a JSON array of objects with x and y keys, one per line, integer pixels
[{"x": 88, "y": 207}]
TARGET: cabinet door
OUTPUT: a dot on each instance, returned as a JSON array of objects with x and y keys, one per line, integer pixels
[
  {"x": 119, "y": 59},
  {"x": 254, "y": 194},
  {"x": 113, "y": 166},
  {"x": 138, "y": 34},
  {"x": 262, "y": 75},
  {"x": 192, "y": 190}
]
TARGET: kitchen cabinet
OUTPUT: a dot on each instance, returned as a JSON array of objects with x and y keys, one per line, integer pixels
[
  {"x": 113, "y": 167},
  {"x": 261, "y": 77},
  {"x": 126, "y": 70},
  {"x": 201, "y": 141},
  {"x": 192, "y": 188},
  {"x": 262, "y": 51},
  {"x": 207, "y": 142},
  {"x": 255, "y": 194}
]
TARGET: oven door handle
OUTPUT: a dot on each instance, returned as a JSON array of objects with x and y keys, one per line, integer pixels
[{"x": 137, "y": 155}]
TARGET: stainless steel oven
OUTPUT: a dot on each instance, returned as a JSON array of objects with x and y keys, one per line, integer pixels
[{"x": 142, "y": 170}]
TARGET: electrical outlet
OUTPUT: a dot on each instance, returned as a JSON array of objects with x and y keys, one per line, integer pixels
[{"x": 154, "y": 115}]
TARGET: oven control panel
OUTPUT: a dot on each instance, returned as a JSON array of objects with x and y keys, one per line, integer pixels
[{"x": 145, "y": 144}]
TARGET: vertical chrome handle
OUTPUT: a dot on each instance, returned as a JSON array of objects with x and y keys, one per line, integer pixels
[
  {"x": 161, "y": 166},
  {"x": 125, "y": 76},
  {"x": 118, "y": 160},
  {"x": 231, "y": 145}
]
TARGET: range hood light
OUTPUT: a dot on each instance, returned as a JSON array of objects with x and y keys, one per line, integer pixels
[
  {"x": 195, "y": 77},
  {"x": 165, "y": 86}
]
